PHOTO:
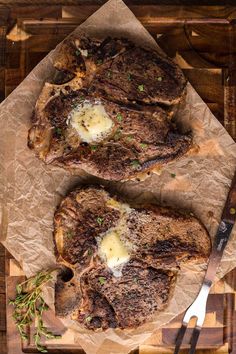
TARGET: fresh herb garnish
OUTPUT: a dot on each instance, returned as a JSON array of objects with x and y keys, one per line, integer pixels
[
  {"x": 90, "y": 252},
  {"x": 135, "y": 164},
  {"x": 109, "y": 73},
  {"x": 74, "y": 105},
  {"x": 173, "y": 175},
  {"x": 119, "y": 117},
  {"x": 93, "y": 147},
  {"x": 29, "y": 307},
  {"x": 69, "y": 234},
  {"x": 143, "y": 146},
  {"x": 129, "y": 77},
  {"x": 88, "y": 319},
  {"x": 129, "y": 138},
  {"x": 99, "y": 61},
  {"x": 232, "y": 211},
  {"x": 117, "y": 134},
  {"x": 58, "y": 131},
  {"x": 77, "y": 53},
  {"x": 141, "y": 88},
  {"x": 102, "y": 280},
  {"x": 100, "y": 221},
  {"x": 159, "y": 78}
]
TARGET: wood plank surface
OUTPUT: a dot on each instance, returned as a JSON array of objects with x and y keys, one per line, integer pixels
[
  {"x": 3, "y": 342},
  {"x": 213, "y": 339}
]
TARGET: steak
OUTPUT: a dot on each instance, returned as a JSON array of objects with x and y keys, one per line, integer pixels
[
  {"x": 139, "y": 75},
  {"x": 80, "y": 218},
  {"x": 134, "y": 297},
  {"x": 95, "y": 312},
  {"x": 114, "y": 116},
  {"x": 116, "y": 68},
  {"x": 165, "y": 237},
  {"x": 130, "y": 145},
  {"x": 152, "y": 243}
]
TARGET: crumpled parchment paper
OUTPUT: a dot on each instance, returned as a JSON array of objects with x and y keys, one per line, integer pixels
[{"x": 30, "y": 190}]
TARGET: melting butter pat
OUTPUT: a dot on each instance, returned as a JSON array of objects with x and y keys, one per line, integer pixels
[
  {"x": 91, "y": 122},
  {"x": 122, "y": 207},
  {"x": 113, "y": 250}
]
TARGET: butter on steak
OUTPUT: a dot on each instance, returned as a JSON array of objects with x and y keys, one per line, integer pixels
[{"x": 106, "y": 139}]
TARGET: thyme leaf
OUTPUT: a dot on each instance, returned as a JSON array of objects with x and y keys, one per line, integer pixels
[
  {"x": 129, "y": 77},
  {"x": 102, "y": 280},
  {"x": 141, "y": 88},
  {"x": 100, "y": 221},
  {"x": 119, "y": 117},
  {"x": 143, "y": 145},
  {"x": 135, "y": 164},
  {"x": 29, "y": 307}
]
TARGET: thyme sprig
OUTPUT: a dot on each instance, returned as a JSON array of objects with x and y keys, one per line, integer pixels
[{"x": 29, "y": 307}]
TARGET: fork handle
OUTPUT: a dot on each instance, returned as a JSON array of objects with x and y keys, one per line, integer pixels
[
  {"x": 229, "y": 211},
  {"x": 223, "y": 233}
]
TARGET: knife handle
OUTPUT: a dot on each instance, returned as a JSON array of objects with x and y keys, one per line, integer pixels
[
  {"x": 223, "y": 233},
  {"x": 229, "y": 212}
]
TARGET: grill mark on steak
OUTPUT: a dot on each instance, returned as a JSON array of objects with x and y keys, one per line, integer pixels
[
  {"x": 169, "y": 252},
  {"x": 166, "y": 238},
  {"x": 175, "y": 146}
]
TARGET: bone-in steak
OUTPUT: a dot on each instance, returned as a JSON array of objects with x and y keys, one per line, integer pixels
[
  {"x": 124, "y": 257},
  {"x": 113, "y": 117}
]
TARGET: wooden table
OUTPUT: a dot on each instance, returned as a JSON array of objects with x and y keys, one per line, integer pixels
[{"x": 205, "y": 39}]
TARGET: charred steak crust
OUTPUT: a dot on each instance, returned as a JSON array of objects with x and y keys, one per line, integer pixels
[
  {"x": 134, "y": 297},
  {"x": 79, "y": 219},
  {"x": 162, "y": 81},
  {"x": 159, "y": 239},
  {"x": 162, "y": 236},
  {"x": 136, "y": 87}
]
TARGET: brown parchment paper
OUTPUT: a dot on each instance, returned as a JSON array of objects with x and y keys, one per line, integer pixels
[{"x": 30, "y": 190}]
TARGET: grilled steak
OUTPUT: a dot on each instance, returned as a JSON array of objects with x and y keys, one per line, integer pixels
[
  {"x": 164, "y": 237},
  {"x": 80, "y": 218},
  {"x": 124, "y": 257},
  {"x": 134, "y": 297},
  {"x": 116, "y": 68},
  {"x": 138, "y": 75},
  {"x": 113, "y": 117}
]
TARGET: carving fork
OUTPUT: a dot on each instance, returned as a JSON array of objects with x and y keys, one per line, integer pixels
[{"x": 198, "y": 307}]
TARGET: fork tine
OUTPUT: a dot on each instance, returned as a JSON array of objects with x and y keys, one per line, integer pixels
[
  {"x": 180, "y": 337},
  {"x": 194, "y": 339}
]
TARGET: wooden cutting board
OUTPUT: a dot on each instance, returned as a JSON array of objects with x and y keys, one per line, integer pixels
[
  {"x": 205, "y": 40},
  {"x": 218, "y": 334}
]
